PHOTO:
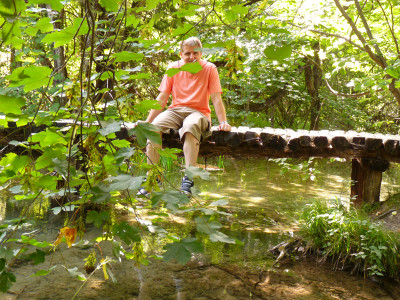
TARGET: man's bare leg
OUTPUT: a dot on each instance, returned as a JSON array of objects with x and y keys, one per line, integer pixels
[
  {"x": 153, "y": 156},
  {"x": 191, "y": 148}
]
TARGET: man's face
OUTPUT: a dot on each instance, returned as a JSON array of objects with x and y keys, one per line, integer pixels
[{"x": 190, "y": 54}]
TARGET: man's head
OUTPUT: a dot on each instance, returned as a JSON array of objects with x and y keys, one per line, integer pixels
[{"x": 190, "y": 50}]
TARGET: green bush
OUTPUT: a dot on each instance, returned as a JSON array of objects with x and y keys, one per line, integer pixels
[{"x": 348, "y": 236}]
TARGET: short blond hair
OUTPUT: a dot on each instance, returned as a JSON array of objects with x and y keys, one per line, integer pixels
[{"x": 192, "y": 41}]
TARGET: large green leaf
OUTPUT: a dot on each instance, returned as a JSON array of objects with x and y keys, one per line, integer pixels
[
  {"x": 110, "y": 5},
  {"x": 32, "y": 77},
  {"x": 6, "y": 281},
  {"x": 127, "y": 233},
  {"x": 45, "y": 25},
  {"x": 100, "y": 193},
  {"x": 43, "y": 272},
  {"x": 172, "y": 199},
  {"x": 55, "y": 4},
  {"x": 37, "y": 257},
  {"x": 11, "y": 8},
  {"x": 203, "y": 225},
  {"x": 221, "y": 237},
  {"x": 125, "y": 182},
  {"x": 11, "y": 105},
  {"x": 125, "y": 56},
  {"x": 182, "y": 30},
  {"x": 48, "y": 182},
  {"x": 192, "y": 68},
  {"x": 278, "y": 52},
  {"x": 144, "y": 131},
  {"x": 182, "y": 250},
  {"x": 48, "y": 138},
  {"x": 110, "y": 128},
  {"x": 66, "y": 35},
  {"x": 97, "y": 218}
]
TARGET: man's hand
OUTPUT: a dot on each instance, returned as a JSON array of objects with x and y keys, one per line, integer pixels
[{"x": 224, "y": 126}]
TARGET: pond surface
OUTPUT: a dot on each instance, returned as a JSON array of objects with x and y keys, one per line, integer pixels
[{"x": 265, "y": 200}]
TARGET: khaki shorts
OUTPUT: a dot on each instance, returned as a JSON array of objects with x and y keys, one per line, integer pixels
[{"x": 185, "y": 119}]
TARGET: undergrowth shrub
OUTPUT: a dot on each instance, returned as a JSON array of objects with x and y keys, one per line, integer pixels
[{"x": 349, "y": 237}]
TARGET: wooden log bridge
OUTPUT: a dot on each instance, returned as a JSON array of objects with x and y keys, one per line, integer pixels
[{"x": 370, "y": 154}]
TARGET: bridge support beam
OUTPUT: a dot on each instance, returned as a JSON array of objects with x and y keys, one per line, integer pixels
[{"x": 366, "y": 177}]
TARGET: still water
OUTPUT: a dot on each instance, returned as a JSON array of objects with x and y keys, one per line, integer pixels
[{"x": 265, "y": 199}]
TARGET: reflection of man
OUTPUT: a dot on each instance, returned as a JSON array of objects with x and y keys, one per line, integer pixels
[{"x": 190, "y": 110}]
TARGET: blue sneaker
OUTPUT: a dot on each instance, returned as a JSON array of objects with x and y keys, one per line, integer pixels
[
  {"x": 143, "y": 192},
  {"x": 186, "y": 185}
]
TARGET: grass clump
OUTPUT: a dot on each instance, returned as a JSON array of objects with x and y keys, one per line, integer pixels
[{"x": 350, "y": 238}]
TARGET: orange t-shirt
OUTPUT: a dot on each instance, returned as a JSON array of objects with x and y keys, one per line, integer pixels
[{"x": 192, "y": 90}]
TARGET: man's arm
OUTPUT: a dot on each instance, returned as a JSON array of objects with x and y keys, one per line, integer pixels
[
  {"x": 220, "y": 112},
  {"x": 162, "y": 99}
]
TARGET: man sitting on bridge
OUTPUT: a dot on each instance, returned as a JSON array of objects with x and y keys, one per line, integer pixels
[{"x": 190, "y": 110}]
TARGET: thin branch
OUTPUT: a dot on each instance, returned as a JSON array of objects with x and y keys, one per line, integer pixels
[
  {"x": 390, "y": 27},
  {"x": 374, "y": 57},
  {"x": 348, "y": 95}
]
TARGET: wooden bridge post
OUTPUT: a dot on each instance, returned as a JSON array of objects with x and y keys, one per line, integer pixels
[{"x": 366, "y": 176}]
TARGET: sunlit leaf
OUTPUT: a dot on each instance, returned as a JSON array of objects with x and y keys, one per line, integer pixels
[
  {"x": 48, "y": 182},
  {"x": 192, "y": 68},
  {"x": 182, "y": 30},
  {"x": 132, "y": 20},
  {"x": 31, "y": 241},
  {"x": 10, "y": 8},
  {"x": 278, "y": 52},
  {"x": 110, "y": 5},
  {"x": 125, "y": 56},
  {"x": 43, "y": 272},
  {"x": 145, "y": 105},
  {"x": 44, "y": 25},
  {"x": 32, "y": 77},
  {"x": 55, "y": 4},
  {"x": 11, "y": 105},
  {"x": 104, "y": 267},
  {"x": 66, "y": 35}
]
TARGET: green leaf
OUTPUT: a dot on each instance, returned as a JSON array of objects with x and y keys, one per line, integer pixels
[
  {"x": 11, "y": 105},
  {"x": 55, "y": 4},
  {"x": 127, "y": 233},
  {"x": 172, "y": 199},
  {"x": 110, "y": 5},
  {"x": 37, "y": 257},
  {"x": 11, "y": 8},
  {"x": 192, "y": 68},
  {"x": 48, "y": 182},
  {"x": 97, "y": 218},
  {"x": 43, "y": 272},
  {"x": 144, "y": 131},
  {"x": 145, "y": 105},
  {"x": 48, "y": 138},
  {"x": 132, "y": 20},
  {"x": 100, "y": 193},
  {"x": 110, "y": 128},
  {"x": 6, "y": 253},
  {"x": 31, "y": 241},
  {"x": 240, "y": 9},
  {"x": 221, "y": 237},
  {"x": 125, "y": 56},
  {"x": 182, "y": 30},
  {"x": 193, "y": 172},
  {"x": 32, "y": 77},
  {"x": 66, "y": 35},
  {"x": 394, "y": 72},
  {"x": 278, "y": 53},
  {"x": 207, "y": 227},
  {"x": 125, "y": 182},
  {"x": 6, "y": 281},
  {"x": 182, "y": 250},
  {"x": 44, "y": 25},
  {"x": 172, "y": 71}
]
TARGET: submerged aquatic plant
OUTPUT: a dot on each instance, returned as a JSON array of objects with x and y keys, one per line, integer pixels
[{"x": 349, "y": 237}]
